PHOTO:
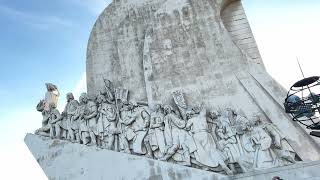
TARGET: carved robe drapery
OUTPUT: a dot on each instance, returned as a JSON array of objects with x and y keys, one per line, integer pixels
[
  {"x": 140, "y": 131},
  {"x": 257, "y": 145},
  {"x": 207, "y": 153},
  {"x": 178, "y": 138},
  {"x": 156, "y": 134}
]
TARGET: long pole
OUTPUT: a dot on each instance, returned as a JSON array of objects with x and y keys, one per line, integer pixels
[{"x": 300, "y": 67}]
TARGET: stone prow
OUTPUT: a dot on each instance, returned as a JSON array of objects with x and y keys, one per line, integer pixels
[{"x": 64, "y": 160}]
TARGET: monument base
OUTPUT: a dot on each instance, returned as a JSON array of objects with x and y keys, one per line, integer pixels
[{"x": 68, "y": 161}]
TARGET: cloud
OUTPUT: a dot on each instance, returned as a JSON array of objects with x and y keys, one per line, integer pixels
[
  {"x": 81, "y": 86},
  {"x": 35, "y": 20}
]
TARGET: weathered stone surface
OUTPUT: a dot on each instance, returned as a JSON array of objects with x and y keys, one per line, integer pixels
[
  {"x": 300, "y": 171},
  {"x": 155, "y": 47},
  {"x": 62, "y": 160},
  {"x": 67, "y": 161}
]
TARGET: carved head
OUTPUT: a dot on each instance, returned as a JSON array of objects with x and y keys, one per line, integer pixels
[
  {"x": 101, "y": 98},
  {"x": 256, "y": 120},
  {"x": 83, "y": 98},
  {"x": 214, "y": 114},
  {"x": 168, "y": 109},
  {"x": 157, "y": 107},
  {"x": 249, "y": 125},
  {"x": 70, "y": 97}
]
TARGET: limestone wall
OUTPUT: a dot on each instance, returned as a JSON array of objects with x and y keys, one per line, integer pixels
[{"x": 155, "y": 47}]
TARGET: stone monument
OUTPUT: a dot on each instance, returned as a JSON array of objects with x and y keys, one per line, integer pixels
[{"x": 177, "y": 89}]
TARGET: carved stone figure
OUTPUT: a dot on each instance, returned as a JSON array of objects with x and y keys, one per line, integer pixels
[
  {"x": 156, "y": 133},
  {"x": 107, "y": 124},
  {"x": 72, "y": 125},
  {"x": 221, "y": 141},
  {"x": 213, "y": 119},
  {"x": 54, "y": 121},
  {"x": 90, "y": 113},
  {"x": 284, "y": 154},
  {"x": 51, "y": 97},
  {"x": 83, "y": 128},
  {"x": 127, "y": 116},
  {"x": 140, "y": 127},
  {"x": 179, "y": 142},
  {"x": 257, "y": 148},
  {"x": 228, "y": 142},
  {"x": 45, "y": 128},
  {"x": 147, "y": 118},
  {"x": 207, "y": 153}
]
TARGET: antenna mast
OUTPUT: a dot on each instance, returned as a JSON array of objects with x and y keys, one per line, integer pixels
[{"x": 300, "y": 67}]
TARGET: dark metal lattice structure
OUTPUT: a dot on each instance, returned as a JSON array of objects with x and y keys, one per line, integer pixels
[{"x": 303, "y": 103}]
